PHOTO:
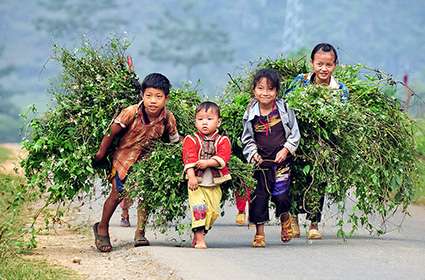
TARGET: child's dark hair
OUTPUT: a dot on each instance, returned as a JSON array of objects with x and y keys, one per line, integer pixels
[
  {"x": 206, "y": 105},
  {"x": 272, "y": 76},
  {"x": 324, "y": 47},
  {"x": 158, "y": 81}
]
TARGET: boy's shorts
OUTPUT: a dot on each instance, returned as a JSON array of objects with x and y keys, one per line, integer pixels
[{"x": 118, "y": 182}]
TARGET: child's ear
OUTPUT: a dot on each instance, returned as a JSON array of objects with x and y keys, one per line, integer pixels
[{"x": 218, "y": 123}]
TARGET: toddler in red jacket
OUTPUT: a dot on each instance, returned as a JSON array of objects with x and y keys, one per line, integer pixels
[{"x": 205, "y": 155}]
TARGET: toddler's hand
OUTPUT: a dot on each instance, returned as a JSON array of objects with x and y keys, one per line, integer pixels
[
  {"x": 202, "y": 164},
  {"x": 193, "y": 183},
  {"x": 281, "y": 155}
]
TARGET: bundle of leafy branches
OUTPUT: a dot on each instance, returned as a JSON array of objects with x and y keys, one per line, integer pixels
[
  {"x": 364, "y": 147},
  {"x": 94, "y": 86}
]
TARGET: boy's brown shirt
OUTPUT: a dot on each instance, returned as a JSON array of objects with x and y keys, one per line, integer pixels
[{"x": 139, "y": 136}]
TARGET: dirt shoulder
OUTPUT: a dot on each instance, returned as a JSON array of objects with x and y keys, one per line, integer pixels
[
  {"x": 11, "y": 166},
  {"x": 76, "y": 251}
]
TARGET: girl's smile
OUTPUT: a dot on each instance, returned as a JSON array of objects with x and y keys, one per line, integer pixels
[
  {"x": 264, "y": 92},
  {"x": 323, "y": 66}
]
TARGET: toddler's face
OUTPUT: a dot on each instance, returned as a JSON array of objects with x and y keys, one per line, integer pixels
[
  {"x": 323, "y": 65},
  {"x": 207, "y": 122},
  {"x": 154, "y": 101},
  {"x": 264, "y": 92}
]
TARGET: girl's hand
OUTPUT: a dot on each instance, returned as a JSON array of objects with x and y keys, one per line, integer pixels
[
  {"x": 281, "y": 155},
  {"x": 202, "y": 164},
  {"x": 193, "y": 183},
  {"x": 257, "y": 159}
]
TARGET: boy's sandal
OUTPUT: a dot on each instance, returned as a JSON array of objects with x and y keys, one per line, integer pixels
[
  {"x": 259, "y": 241},
  {"x": 286, "y": 230},
  {"x": 141, "y": 241},
  {"x": 314, "y": 234},
  {"x": 103, "y": 243}
]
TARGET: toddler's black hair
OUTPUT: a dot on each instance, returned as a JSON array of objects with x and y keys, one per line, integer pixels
[
  {"x": 206, "y": 105},
  {"x": 324, "y": 47},
  {"x": 271, "y": 75},
  {"x": 158, "y": 81}
]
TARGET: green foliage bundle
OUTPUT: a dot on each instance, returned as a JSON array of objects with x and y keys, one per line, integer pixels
[
  {"x": 95, "y": 86},
  {"x": 365, "y": 146}
]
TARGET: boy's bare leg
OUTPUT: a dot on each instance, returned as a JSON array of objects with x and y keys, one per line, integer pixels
[{"x": 109, "y": 207}]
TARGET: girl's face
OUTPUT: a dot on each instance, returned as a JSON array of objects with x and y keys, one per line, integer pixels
[
  {"x": 323, "y": 65},
  {"x": 264, "y": 92}
]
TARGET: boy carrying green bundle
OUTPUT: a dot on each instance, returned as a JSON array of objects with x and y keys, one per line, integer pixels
[{"x": 140, "y": 126}]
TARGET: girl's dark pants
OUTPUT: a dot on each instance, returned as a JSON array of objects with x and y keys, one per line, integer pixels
[{"x": 259, "y": 204}]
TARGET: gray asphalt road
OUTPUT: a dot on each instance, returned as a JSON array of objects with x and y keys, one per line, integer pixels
[{"x": 396, "y": 255}]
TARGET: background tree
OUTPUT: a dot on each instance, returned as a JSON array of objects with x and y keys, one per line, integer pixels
[
  {"x": 9, "y": 112},
  {"x": 384, "y": 35},
  {"x": 73, "y": 18},
  {"x": 185, "y": 39},
  {"x": 6, "y": 106}
]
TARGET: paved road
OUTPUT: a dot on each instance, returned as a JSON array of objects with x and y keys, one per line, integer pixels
[{"x": 397, "y": 255}]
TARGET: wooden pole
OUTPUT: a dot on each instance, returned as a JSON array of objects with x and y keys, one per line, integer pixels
[{"x": 407, "y": 91}]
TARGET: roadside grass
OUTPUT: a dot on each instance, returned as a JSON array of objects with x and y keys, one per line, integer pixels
[
  {"x": 17, "y": 268},
  {"x": 15, "y": 240}
]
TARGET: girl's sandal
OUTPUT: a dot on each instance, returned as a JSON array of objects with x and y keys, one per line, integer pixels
[
  {"x": 286, "y": 230},
  {"x": 296, "y": 233},
  {"x": 314, "y": 234},
  {"x": 259, "y": 241}
]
